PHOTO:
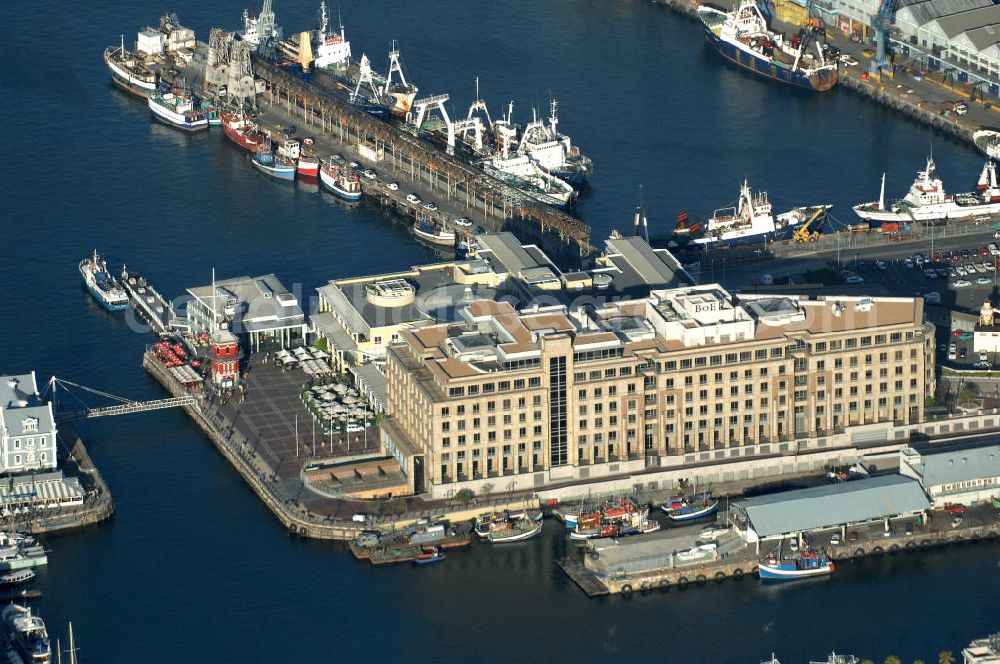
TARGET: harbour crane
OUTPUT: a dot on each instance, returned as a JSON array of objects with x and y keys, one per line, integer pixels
[{"x": 881, "y": 23}]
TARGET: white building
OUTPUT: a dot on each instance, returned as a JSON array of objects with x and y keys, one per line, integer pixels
[
  {"x": 983, "y": 651},
  {"x": 968, "y": 476},
  {"x": 27, "y": 427},
  {"x": 260, "y": 308}
]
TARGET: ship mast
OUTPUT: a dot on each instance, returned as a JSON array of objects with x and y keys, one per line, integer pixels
[
  {"x": 479, "y": 105},
  {"x": 394, "y": 66},
  {"x": 323, "y": 20},
  {"x": 554, "y": 118},
  {"x": 881, "y": 194}
]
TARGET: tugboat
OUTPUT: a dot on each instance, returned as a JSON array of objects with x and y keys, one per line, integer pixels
[
  {"x": 129, "y": 72},
  {"x": 689, "y": 508},
  {"x": 240, "y": 129},
  {"x": 433, "y": 232},
  {"x": 177, "y": 110},
  {"x": 339, "y": 181},
  {"x": 801, "y": 565},
  {"x": 926, "y": 201},
  {"x": 102, "y": 284},
  {"x": 743, "y": 38},
  {"x": 275, "y": 165},
  {"x": 27, "y": 633},
  {"x": 553, "y": 151}
]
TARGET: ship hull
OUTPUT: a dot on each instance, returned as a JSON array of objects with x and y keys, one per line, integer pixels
[
  {"x": 775, "y": 573},
  {"x": 520, "y": 537},
  {"x": 330, "y": 184},
  {"x": 99, "y": 296},
  {"x": 929, "y": 214},
  {"x": 281, "y": 173},
  {"x": 756, "y": 238},
  {"x": 128, "y": 82},
  {"x": 434, "y": 238},
  {"x": 691, "y": 516},
  {"x": 820, "y": 82},
  {"x": 177, "y": 120},
  {"x": 239, "y": 138}
]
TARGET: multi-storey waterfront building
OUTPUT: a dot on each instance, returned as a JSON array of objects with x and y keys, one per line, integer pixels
[
  {"x": 500, "y": 399},
  {"x": 27, "y": 427}
]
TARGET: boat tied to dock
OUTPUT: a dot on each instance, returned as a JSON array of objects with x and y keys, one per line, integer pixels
[
  {"x": 800, "y": 565},
  {"x": 689, "y": 508},
  {"x": 240, "y": 128},
  {"x": 27, "y": 633},
  {"x": 177, "y": 110},
  {"x": 129, "y": 71},
  {"x": 434, "y": 232},
  {"x": 927, "y": 201},
  {"x": 742, "y": 36},
  {"x": 270, "y": 163},
  {"x": 101, "y": 284},
  {"x": 337, "y": 178}
]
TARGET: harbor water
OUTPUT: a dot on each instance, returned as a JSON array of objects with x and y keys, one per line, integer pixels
[{"x": 192, "y": 567}]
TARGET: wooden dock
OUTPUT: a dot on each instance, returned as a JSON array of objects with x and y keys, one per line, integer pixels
[{"x": 584, "y": 578}]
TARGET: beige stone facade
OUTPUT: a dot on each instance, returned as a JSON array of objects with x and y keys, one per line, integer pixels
[{"x": 509, "y": 399}]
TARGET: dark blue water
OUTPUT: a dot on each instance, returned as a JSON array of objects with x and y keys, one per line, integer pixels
[{"x": 192, "y": 568}]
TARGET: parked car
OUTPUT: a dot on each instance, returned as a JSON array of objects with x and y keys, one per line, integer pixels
[
  {"x": 853, "y": 536},
  {"x": 965, "y": 336},
  {"x": 984, "y": 281},
  {"x": 932, "y": 298},
  {"x": 430, "y": 206},
  {"x": 835, "y": 540},
  {"x": 854, "y": 279},
  {"x": 370, "y": 174},
  {"x": 985, "y": 366},
  {"x": 994, "y": 249},
  {"x": 957, "y": 521},
  {"x": 908, "y": 262},
  {"x": 909, "y": 527},
  {"x": 392, "y": 186},
  {"x": 413, "y": 198},
  {"x": 881, "y": 265},
  {"x": 463, "y": 222},
  {"x": 984, "y": 356},
  {"x": 954, "y": 508},
  {"x": 963, "y": 353},
  {"x": 962, "y": 283}
]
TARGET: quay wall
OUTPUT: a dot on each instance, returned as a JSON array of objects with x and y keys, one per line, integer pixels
[
  {"x": 258, "y": 474},
  {"x": 740, "y": 565},
  {"x": 98, "y": 504}
]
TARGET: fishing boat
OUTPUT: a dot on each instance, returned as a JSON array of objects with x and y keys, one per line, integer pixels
[
  {"x": 332, "y": 49},
  {"x": 27, "y": 633},
  {"x": 212, "y": 113},
  {"x": 742, "y": 37},
  {"x": 927, "y": 202},
  {"x": 429, "y": 557},
  {"x": 801, "y": 565},
  {"x": 101, "y": 284},
  {"x": 614, "y": 519},
  {"x": 340, "y": 181},
  {"x": 14, "y": 578},
  {"x": 307, "y": 165},
  {"x": 752, "y": 220},
  {"x": 129, "y": 72},
  {"x": 553, "y": 151},
  {"x": 689, "y": 508},
  {"x": 517, "y": 530},
  {"x": 433, "y": 232},
  {"x": 177, "y": 110},
  {"x": 241, "y": 130},
  {"x": 268, "y": 162}
]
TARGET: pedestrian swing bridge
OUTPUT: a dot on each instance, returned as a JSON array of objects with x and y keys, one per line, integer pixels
[{"x": 121, "y": 405}]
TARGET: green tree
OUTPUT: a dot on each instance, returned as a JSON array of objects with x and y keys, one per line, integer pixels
[
  {"x": 892, "y": 659},
  {"x": 946, "y": 657}
]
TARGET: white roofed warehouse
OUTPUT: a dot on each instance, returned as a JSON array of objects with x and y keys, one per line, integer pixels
[
  {"x": 969, "y": 476},
  {"x": 833, "y": 506}
]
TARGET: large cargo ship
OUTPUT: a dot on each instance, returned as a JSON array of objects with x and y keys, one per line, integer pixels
[
  {"x": 926, "y": 201},
  {"x": 743, "y": 38},
  {"x": 129, "y": 72}
]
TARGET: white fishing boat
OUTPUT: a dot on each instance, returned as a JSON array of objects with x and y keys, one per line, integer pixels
[
  {"x": 177, "y": 110},
  {"x": 553, "y": 151},
  {"x": 128, "y": 70},
  {"x": 752, "y": 220},
  {"x": 927, "y": 201}
]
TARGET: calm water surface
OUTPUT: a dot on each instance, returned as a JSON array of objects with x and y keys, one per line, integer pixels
[{"x": 192, "y": 568}]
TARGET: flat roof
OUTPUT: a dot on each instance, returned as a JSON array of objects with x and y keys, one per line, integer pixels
[
  {"x": 637, "y": 267},
  {"x": 833, "y": 504},
  {"x": 959, "y": 466},
  {"x": 506, "y": 253}
]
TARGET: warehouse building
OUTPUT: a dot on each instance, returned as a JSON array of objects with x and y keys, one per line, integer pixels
[
  {"x": 969, "y": 476},
  {"x": 791, "y": 513}
]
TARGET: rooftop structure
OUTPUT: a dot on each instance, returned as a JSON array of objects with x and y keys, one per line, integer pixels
[
  {"x": 557, "y": 392},
  {"x": 983, "y": 651},
  {"x": 27, "y": 427},
  {"x": 259, "y": 308},
  {"x": 634, "y": 267},
  {"x": 817, "y": 508},
  {"x": 965, "y": 476},
  {"x": 360, "y": 316}
]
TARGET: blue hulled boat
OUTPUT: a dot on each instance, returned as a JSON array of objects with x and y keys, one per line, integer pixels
[
  {"x": 802, "y": 565},
  {"x": 689, "y": 508},
  {"x": 102, "y": 285},
  {"x": 278, "y": 167},
  {"x": 743, "y": 38}
]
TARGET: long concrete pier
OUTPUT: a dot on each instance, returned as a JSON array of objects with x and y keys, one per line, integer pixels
[{"x": 453, "y": 179}]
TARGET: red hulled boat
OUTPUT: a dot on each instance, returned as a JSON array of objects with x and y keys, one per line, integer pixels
[{"x": 241, "y": 130}]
